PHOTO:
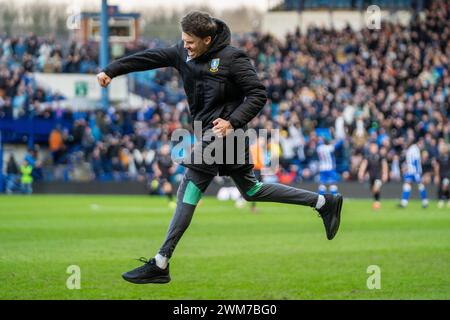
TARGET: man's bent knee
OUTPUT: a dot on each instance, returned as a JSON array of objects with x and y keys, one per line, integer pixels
[
  {"x": 192, "y": 194},
  {"x": 250, "y": 195}
]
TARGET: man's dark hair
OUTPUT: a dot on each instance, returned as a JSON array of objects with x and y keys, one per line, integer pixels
[{"x": 199, "y": 24}]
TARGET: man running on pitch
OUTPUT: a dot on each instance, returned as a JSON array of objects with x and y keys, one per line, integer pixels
[
  {"x": 376, "y": 165},
  {"x": 224, "y": 93}
]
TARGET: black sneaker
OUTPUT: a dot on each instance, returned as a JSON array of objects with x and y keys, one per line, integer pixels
[
  {"x": 148, "y": 273},
  {"x": 331, "y": 214}
]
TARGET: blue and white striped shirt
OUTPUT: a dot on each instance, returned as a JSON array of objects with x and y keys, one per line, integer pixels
[
  {"x": 413, "y": 160},
  {"x": 326, "y": 157}
]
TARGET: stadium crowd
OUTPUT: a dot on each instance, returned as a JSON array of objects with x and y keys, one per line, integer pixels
[
  {"x": 20, "y": 57},
  {"x": 383, "y": 85}
]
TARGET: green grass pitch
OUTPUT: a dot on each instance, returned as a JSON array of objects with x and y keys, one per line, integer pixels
[{"x": 281, "y": 252}]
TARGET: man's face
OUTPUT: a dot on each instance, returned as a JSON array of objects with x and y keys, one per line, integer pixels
[
  {"x": 373, "y": 148},
  {"x": 443, "y": 149},
  {"x": 165, "y": 149},
  {"x": 194, "y": 45}
]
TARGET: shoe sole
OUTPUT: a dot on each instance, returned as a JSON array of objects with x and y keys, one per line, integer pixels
[
  {"x": 161, "y": 279},
  {"x": 337, "y": 216}
]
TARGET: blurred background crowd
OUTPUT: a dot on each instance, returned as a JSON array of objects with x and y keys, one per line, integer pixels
[{"x": 382, "y": 85}]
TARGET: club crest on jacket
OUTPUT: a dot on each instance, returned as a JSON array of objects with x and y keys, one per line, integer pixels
[{"x": 214, "y": 67}]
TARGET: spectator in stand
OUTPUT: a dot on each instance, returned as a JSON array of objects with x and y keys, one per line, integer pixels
[
  {"x": 26, "y": 179},
  {"x": 56, "y": 144},
  {"x": 12, "y": 175}
]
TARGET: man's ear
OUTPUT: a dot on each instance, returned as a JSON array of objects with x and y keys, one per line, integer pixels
[{"x": 207, "y": 40}]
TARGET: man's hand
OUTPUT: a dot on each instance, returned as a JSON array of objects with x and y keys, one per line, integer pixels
[
  {"x": 222, "y": 127},
  {"x": 103, "y": 79}
]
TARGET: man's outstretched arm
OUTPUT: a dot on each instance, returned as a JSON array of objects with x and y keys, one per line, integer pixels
[{"x": 141, "y": 61}]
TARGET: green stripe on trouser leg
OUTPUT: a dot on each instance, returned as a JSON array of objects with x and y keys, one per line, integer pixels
[
  {"x": 192, "y": 194},
  {"x": 254, "y": 189}
]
